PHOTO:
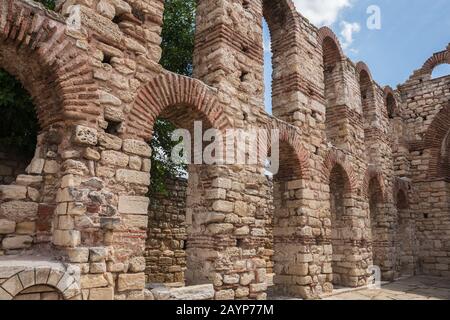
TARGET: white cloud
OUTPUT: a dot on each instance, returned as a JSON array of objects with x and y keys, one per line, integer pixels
[
  {"x": 322, "y": 12},
  {"x": 348, "y": 29}
]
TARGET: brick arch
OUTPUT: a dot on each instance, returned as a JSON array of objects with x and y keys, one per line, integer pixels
[
  {"x": 280, "y": 12},
  {"x": 172, "y": 90},
  {"x": 373, "y": 173},
  {"x": 285, "y": 26},
  {"x": 292, "y": 138},
  {"x": 388, "y": 95},
  {"x": 336, "y": 158},
  {"x": 35, "y": 49},
  {"x": 326, "y": 34},
  {"x": 435, "y": 60},
  {"x": 362, "y": 67},
  {"x": 434, "y": 139},
  {"x": 55, "y": 277}
]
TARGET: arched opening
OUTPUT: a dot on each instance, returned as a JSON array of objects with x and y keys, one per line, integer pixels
[
  {"x": 22, "y": 170},
  {"x": 288, "y": 199},
  {"x": 18, "y": 128},
  {"x": 283, "y": 25},
  {"x": 406, "y": 234},
  {"x": 366, "y": 87},
  {"x": 39, "y": 292},
  {"x": 340, "y": 226},
  {"x": 391, "y": 105},
  {"x": 268, "y": 69},
  {"x": 331, "y": 58},
  {"x": 178, "y": 209},
  {"x": 441, "y": 70}
]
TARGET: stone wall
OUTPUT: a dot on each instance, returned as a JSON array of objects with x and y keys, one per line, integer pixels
[
  {"x": 331, "y": 211},
  {"x": 165, "y": 252}
]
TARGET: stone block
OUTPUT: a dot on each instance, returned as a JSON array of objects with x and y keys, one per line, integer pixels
[
  {"x": 91, "y": 154},
  {"x": 133, "y": 205},
  {"x": 89, "y": 281},
  {"x": 109, "y": 141},
  {"x": 133, "y": 221},
  {"x": 131, "y": 281},
  {"x": 12, "y": 192},
  {"x": 51, "y": 167},
  {"x": 199, "y": 292},
  {"x": 7, "y": 226},
  {"x": 98, "y": 254},
  {"x": 26, "y": 180},
  {"x": 19, "y": 210},
  {"x": 115, "y": 158},
  {"x": 132, "y": 176},
  {"x": 101, "y": 293},
  {"x": 36, "y": 166},
  {"x": 97, "y": 267},
  {"x": 223, "y": 206},
  {"x": 225, "y": 295},
  {"x": 66, "y": 238},
  {"x": 220, "y": 228},
  {"x": 140, "y": 148},
  {"x": 13, "y": 286},
  {"x": 78, "y": 255},
  {"x": 135, "y": 163},
  {"x": 85, "y": 136},
  {"x": 17, "y": 242},
  {"x": 137, "y": 264},
  {"x": 26, "y": 228}
]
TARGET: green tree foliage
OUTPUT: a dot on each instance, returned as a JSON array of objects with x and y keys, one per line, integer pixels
[
  {"x": 178, "y": 36},
  {"x": 50, "y": 4},
  {"x": 177, "y": 51},
  {"x": 19, "y": 126}
]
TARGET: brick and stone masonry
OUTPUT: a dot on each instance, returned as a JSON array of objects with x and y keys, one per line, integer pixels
[{"x": 364, "y": 173}]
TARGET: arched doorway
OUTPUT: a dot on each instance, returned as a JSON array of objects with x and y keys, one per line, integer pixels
[
  {"x": 406, "y": 235},
  {"x": 378, "y": 223},
  {"x": 340, "y": 227}
]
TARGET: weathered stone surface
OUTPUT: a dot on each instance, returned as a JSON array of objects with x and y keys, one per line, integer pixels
[
  {"x": 131, "y": 176},
  {"x": 66, "y": 238},
  {"x": 17, "y": 242},
  {"x": 93, "y": 281},
  {"x": 19, "y": 210},
  {"x": 13, "y": 192},
  {"x": 131, "y": 281},
  {"x": 115, "y": 158},
  {"x": 78, "y": 255},
  {"x": 101, "y": 294},
  {"x": 338, "y": 202},
  {"x": 97, "y": 254},
  {"x": 225, "y": 295},
  {"x": 109, "y": 141},
  {"x": 133, "y": 205},
  {"x": 137, "y": 264},
  {"x": 26, "y": 228},
  {"x": 139, "y": 148},
  {"x": 199, "y": 292},
  {"x": 85, "y": 136},
  {"x": 220, "y": 228},
  {"x": 7, "y": 226}
]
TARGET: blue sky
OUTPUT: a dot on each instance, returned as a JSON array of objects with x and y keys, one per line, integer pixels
[{"x": 411, "y": 31}]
